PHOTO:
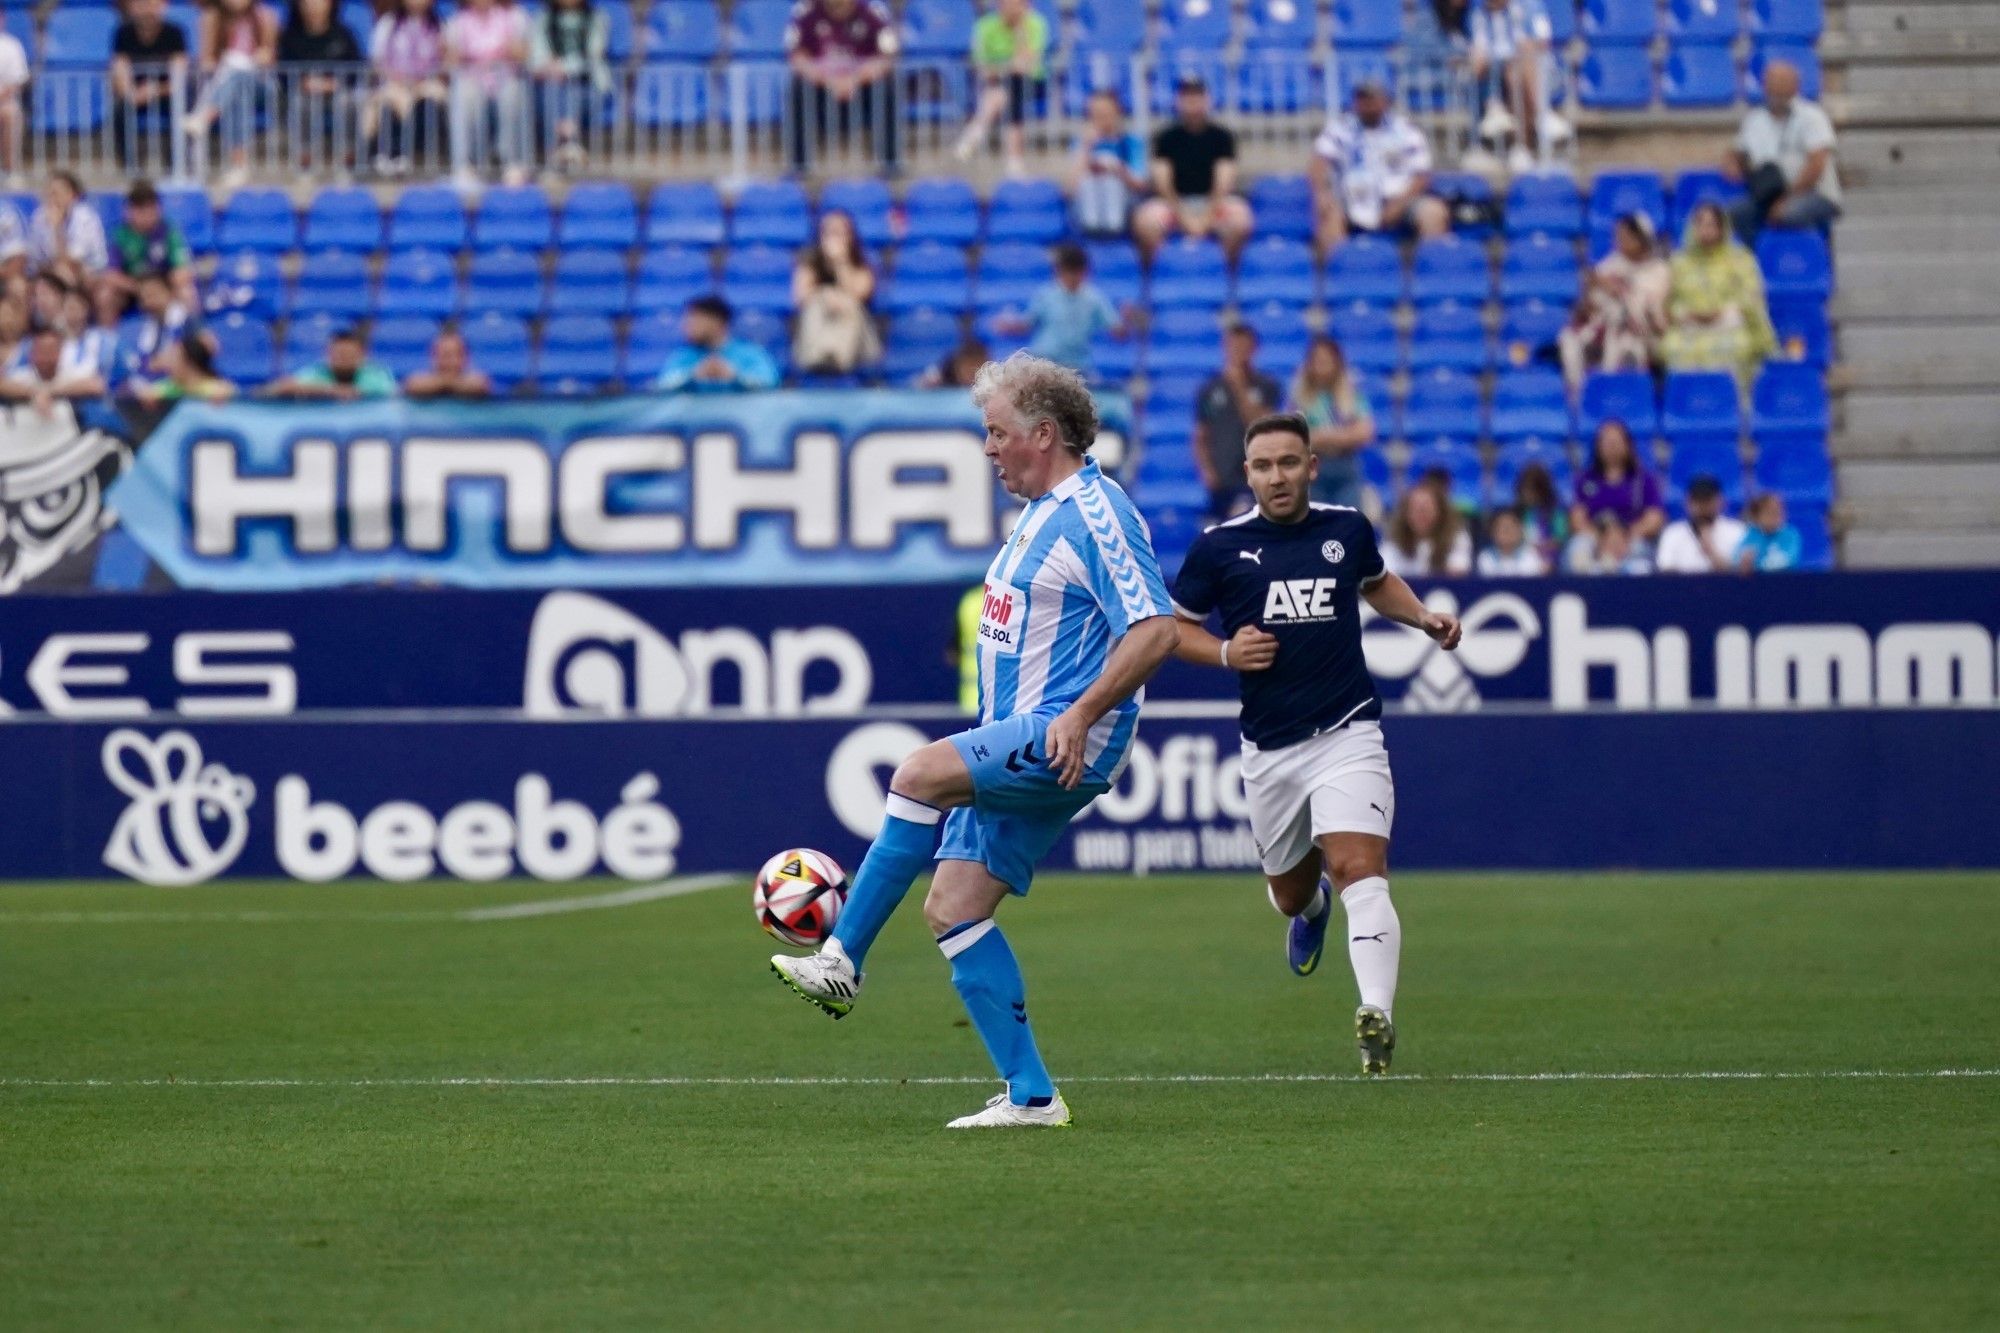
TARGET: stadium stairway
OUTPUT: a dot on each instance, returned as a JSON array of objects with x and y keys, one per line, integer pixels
[{"x": 1917, "y": 438}]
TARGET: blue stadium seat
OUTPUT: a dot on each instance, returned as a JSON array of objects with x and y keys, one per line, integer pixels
[
  {"x": 1027, "y": 210},
  {"x": 343, "y": 219},
  {"x": 676, "y": 30},
  {"x": 602, "y": 214},
  {"x": 1616, "y": 193},
  {"x": 1469, "y": 195},
  {"x": 1002, "y": 337},
  {"x": 928, "y": 275},
  {"x": 1528, "y": 330},
  {"x": 418, "y": 282},
  {"x": 1795, "y": 263},
  {"x": 771, "y": 213},
  {"x": 1356, "y": 64},
  {"x": 917, "y": 340},
  {"x": 676, "y": 95},
  {"x": 757, "y": 29},
  {"x": 1449, "y": 336},
  {"x": 649, "y": 340},
  {"x": 1114, "y": 268},
  {"x": 428, "y": 217},
  {"x": 1804, "y": 331},
  {"x": 1181, "y": 358},
  {"x": 258, "y": 220},
  {"x": 1368, "y": 336},
  {"x": 1278, "y": 83},
  {"x": 75, "y": 37},
  {"x": 1545, "y": 202},
  {"x": 1093, "y": 72},
  {"x": 867, "y": 201},
  {"x": 1800, "y": 54},
  {"x": 1275, "y": 269},
  {"x": 1700, "y": 185},
  {"x": 1186, "y": 324},
  {"x": 1364, "y": 268},
  {"x": 1010, "y": 273},
  {"x": 1458, "y": 460},
  {"x": 936, "y": 29},
  {"x": 1537, "y": 268},
  {"x": 1193, "y": 25},
  {"x": 758, "y": 277},
  {"x": 575, "y": 355},
  {"x": 1623, "y": 395},
  {"x": 1705, "y": 453},
  {"x": 402, "y": 343},
  {"x": 333, "y": 283},
  {"x": 591, "y": 282},
  {"x": 670, "y": 276},
  {"x": 1790, "y": 396},
  {"x": 306, "y": 340},
  {"x": 1700, "y": 401},
  {"x": 1615, "y": 78},
  {"x": 1529, "y": 404},
  {"x": 1283, "y": 206},
  {"x": 941, "y": 208},
  {"x": 1366, "y": 23},
  {"x": 1625, "y": 22},
  {"x": 1794, "y": 20},
  {"x": 1703, "y": 21},
  {"x": 1114, "y": 360},
  {"x": 1794, "y": 463},
  {"x": 1449, "y": 269},
  {"x": 515, "y": 217},
  {"x": 506, "y": 282},
  {"x": 247, "y": 282},
  {"x": 499, "y": 345},
  {"x": 1441, "y": 402},
  {"x": 1815, "y": 540},
  {"x": 1112, "y": 27},
  {"x": 1189, "y": 273},
  {"x": 246, "y": 351},
  {"x": 191, "y": 211},
  {"x": 621, "y": 32},
  {"x": 1699, "y": 74},
  {"x": 684, "y": 212},
  {"x": 1281, "y": 25}
]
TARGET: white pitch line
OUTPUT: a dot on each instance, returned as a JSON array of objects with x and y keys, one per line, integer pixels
[
  {"x": 835, "y": 1081},
  {"x": 641, "y": 893}
]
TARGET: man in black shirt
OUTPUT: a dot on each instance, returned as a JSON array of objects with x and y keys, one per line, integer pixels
[
  {"x": 147, "y": 54},
  {"x": 1194, "y": 178}
]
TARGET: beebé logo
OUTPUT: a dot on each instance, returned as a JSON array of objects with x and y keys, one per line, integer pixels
[{"x": 186, "y": 822}]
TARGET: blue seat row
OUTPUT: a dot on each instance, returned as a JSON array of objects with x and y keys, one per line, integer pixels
[{"x": 1696, "y": 74}]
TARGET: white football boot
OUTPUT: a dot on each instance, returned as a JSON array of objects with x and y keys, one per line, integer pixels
[
  {"x": 999, "y": 1113},
  {"x": 826, "y": 979}
]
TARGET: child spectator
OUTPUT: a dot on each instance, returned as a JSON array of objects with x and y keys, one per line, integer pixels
[
  {"x": 1771, "y": 544},
  {"x": 957, "y": 368},
  {"x": 1606, "y": 547},
  {"x": 163, "y": 321},
  {"x": 1510, "y": 554},
  {"x": 1615, "y": 482},
  {"x": 831, "y": 288},
  {"x": 1326, "y": 393},
  {"x": 1716, "y": 315},
  {"x": 1707, "y": 540},
  {"x": 1107, "y": 176},
  {"x": 1622, "y": 314},
  {"x": 1067, "y": 313},
  {"x": 1009, "y": 57},
  {"x": 406, "y": 112},
  {"x": 1427, "y": 538},
  {"x": 145, "y": 244}
]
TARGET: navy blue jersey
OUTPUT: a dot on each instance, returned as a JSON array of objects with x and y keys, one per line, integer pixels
[{"x": 1298, "y": 581}]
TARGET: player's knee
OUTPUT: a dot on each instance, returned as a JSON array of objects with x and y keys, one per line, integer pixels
[
  {"x": 926, "y": 775},
  {"x": 945, "y": 908},
  {"x": 1352, "y": 865}
]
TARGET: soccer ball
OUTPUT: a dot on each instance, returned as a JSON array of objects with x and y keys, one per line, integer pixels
[{"x": 798, "y": 896}]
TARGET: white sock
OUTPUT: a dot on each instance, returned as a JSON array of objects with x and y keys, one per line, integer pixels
[
  {"x": 1374, "y": 940},
  {"x": 1314, "y": 910}
]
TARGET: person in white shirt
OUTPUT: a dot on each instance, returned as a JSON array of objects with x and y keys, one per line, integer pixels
[
  {"x": 52, "y": 372},
  {"x": 13, "y": 243},
  {"x": 1426, "y": 537},
  {"x": 1705, "y": 542},
  {"x": 1511, "y": 555},
  {"x": 1371, "y": 172},
  {"x": 13, "y": 81},
  {"x": 1510, "y": 43},
  {"x": 66, "y": 235},
  {"x": 1784, "y": 153}
]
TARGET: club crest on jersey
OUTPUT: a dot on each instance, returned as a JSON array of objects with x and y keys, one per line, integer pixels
[
  {"x": 1334, "y": 552},
  {"x": 1300, "y": 601}
]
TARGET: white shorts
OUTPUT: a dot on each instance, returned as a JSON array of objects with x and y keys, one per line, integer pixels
[{"x": 1335, "y": 782}]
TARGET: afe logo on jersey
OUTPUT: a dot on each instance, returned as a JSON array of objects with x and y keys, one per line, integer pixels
[
  {"x": 1334, "y": 552},
  {"x": 1000, "y": 618},
  {"x": 1300, "y": 601}
]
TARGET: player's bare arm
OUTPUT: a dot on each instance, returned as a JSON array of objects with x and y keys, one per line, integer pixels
[
  {"x": 1396, "y": 600},
  {"x": 1132, "y": 663},
  {"x": 1248, "y": 649}
]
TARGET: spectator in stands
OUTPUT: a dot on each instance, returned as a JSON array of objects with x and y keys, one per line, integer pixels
[
  {"x": 13, "y": 332},
  {"x": 451, "y": 373},
  {"x": 1437, "y": 33},
  {"x": 13, "y": 117},
  {"x": 13, "y": 245},
  {"x": 189, "y": 366},
  {"x": 572, "y": 40},
  {"x": 1426, "y": 536},
  {"x": 1371, "y": 172},
  {"x": 1784, "y": 156},
  {"x": 1619, "y": 320},
  {"x": 1606, "y": 547},
  {"x": 1509, "y": 553},
  {"x": 1194, "y": 178},
  {"x": 1067, "y": 313},
  {"x": 1543, "y": 516},
  {"x": 87, "y": 345},
  {"x": 66, "y": 236},
  {"x": 1326, "y": 393},
  {"x": 164, "y": 319},
  {"x": 1510, "y": 46},
  {"x": 46, "y": 295},
  {"x": 147, "y": 55},
  {"x": 317, "y": 54},
  {"x": 346, "y": 375},
  {"x": 831, "y": 288},
  {"x": 1010, "y": 58},
  {"x": 715, "y": 361},
  {"x": 51, "y": 374},
  {"x": 144, "y": 244},
  {"x": 1716, "y": 315},
  {"x": 1616, "y": 482},
  {"x": 405, "y": 113},
  {"x": 957, "y": 368},
  {"x": 1228, "y": 402},
  {"x": 1706, "y": 541},
  {"x": 486, "y": 51},
  {"x": 842, "y": 56},
  {"x": 1107, "y": 173},
  {"x": 1772, "y": 544},
  {"x": 239, "y": 44}
]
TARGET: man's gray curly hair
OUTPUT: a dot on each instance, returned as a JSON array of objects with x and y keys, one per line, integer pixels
[{"x": 1041, "y": 391}]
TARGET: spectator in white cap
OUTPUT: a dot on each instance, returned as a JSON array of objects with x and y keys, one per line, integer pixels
[{"x": 1371, "y": 172}]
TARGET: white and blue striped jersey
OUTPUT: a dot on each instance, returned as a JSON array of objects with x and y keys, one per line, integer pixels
[
  {"x": 1499, "y": 33},
  {"x": 1077, "y": 571}
]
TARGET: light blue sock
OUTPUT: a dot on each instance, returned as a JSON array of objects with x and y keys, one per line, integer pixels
[
  {"x": 899, "y": 854},
  {"x": 989, "y": 981}
]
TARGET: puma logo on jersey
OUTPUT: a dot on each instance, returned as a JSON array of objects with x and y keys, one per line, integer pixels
[
  {"x": 1300, "y": 601},
  {"x": 1255, "y": 557}
]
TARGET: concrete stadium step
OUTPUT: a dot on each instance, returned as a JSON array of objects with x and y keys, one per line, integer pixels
[
  {"x": 1946, "y": 225},
  {"x": 1905, "y": 548},
  {"x": 1896, "y": 159},
  {"x": 1906, "y": 424},
  {"x": 1905, "y": 353},
  {"x": 1918, "y": 284},
  {"x": 1920, "y": 16},
  {"x": 1926, "y": 82},
  {"x": 1932, "y": 493}
]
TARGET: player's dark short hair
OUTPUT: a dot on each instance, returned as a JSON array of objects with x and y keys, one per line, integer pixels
[
  {"x": 1703, "y": 487},
  {"x": 1279, "y": 423},
  {"x": 713, "y": 305}
]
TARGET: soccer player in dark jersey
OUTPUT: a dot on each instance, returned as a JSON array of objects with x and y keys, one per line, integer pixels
[{"x": 1285, "y": 579}]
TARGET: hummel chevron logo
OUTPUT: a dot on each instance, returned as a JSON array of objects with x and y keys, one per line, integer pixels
[
  {"x": 1020, "y": 1012},
  {"x": 1255, "y": 557},
  {"x": 1018, "y": 760},
  {"x": 1376, "y": 938}
]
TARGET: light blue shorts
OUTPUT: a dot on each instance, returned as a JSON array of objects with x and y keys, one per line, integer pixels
[{"x": 1018, "y": 807}]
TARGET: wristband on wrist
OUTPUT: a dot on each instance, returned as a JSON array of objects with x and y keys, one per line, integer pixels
[{"x": 1225, "y": 652}]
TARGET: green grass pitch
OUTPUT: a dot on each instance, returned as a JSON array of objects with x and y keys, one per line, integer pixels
[{"x": 362, "y": 1190}]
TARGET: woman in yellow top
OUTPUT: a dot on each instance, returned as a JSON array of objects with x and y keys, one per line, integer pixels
[
  {"x": 1716, "y": 316},
  {"x": 1009, "y": 54}
]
